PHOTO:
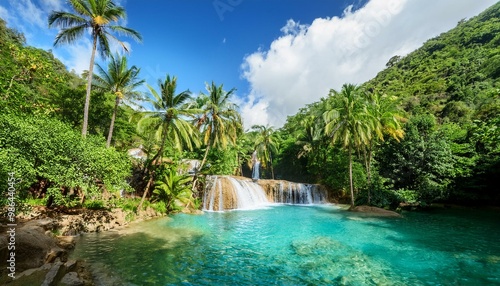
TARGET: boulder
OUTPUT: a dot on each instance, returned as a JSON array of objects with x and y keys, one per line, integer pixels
[
  {"x": 55, "y": 273},
  {"x": 32, "y": 247},
  {"x": 71, "y": 279},
  {"x": 66, "y": 241}
]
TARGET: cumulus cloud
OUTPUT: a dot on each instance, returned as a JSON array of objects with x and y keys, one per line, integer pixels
[
  {"x": 76, "y": 56},
  {"x": 307, "y": 61},
  {"x": 30, "y": 13}
]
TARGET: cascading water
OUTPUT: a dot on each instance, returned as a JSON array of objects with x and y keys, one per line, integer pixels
[
  {"x": 227, "y": 193},
  {"x": 297, "y": 193}
]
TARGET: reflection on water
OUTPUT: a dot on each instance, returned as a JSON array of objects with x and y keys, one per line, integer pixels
[{"x": 290, "y": 245}]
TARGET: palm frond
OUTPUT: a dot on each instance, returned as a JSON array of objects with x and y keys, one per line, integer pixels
[{"x": 69, "y": 35}]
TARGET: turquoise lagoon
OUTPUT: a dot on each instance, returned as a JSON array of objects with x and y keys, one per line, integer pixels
[{"x": 300, "y": 245}]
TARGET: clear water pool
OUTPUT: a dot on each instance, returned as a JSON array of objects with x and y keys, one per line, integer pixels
[{"x": 301, "y": 245}]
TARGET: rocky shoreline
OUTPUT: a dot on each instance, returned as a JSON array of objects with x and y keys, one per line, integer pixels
[{"x": 45, "y": 237}]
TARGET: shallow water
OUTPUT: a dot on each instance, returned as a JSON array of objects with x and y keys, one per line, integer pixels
[{"x": 301, "y": 245}]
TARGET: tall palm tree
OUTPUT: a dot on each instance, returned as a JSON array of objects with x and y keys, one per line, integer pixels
[
  {"x": 119, "y": 80},
  {"x": 348, "y": 122},
  {"x": 386, "y": 122},
  {"x": 169, "y": 116},
  {"x": 266, "y": 143},
  {"x": 169, "y": 119},
  {"x": 220, "y": 122},
  {"x": 97, "y": 17}
]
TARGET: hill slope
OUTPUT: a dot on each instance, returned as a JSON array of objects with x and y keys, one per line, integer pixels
[{"x": 454, "y": 76}]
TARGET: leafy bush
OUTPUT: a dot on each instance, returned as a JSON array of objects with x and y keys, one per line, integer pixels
[
  {"x": 408, "y": 196},
  {"x": 173, "y": 189},
  {"x": 422, "y": 161},
  {"x": 382, "y": 194},
  {"x": 160, "y": 207},
  {"x": 95, "y": 204},
  {"x": 45, "y": 149}
]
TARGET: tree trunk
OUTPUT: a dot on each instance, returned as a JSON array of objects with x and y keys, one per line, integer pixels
[
  {"x": 145, "y": 192},
  {"x": 367, "y": 158},
  {"x": 195, "y": 178},
  {"x": 272, "y": 169},
  {"x": 369, "y": 172},
  {"x": 205, "y": 157},
  {"x": 150, "y": 165},
  {"x": 89, "y": 87},
  {"x": 159, "y": 155},
  {"x": 350, "y": 176},
  {"x": 112, "y": 125}
]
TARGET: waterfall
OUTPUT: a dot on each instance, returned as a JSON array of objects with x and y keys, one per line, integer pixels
[
  {"x": 297, "y": 193},
  {"x": 227, "y": 193}
]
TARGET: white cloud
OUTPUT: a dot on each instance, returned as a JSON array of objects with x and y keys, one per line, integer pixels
[
  {"x": 252, "y": 111},
  {"x": 307, "y": 61},
  {"x": 30, "y": 13},
  {"x": 293, "y": 27},
  {"x": 76, "y": 56},
  {"x": 52, "y": 5},
  {"x": 4, "y": 14}
]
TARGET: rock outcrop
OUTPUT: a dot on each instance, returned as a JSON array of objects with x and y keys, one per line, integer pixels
[
  {"x": 44, "y": 237},
  {"x": 374, "y": 211}
]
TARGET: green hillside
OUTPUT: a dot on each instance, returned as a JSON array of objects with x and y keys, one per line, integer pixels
[
  {"x": 448, "y": 96},
  {"x": 454, "y": 76}
]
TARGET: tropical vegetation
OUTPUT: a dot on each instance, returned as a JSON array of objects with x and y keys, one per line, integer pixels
[{"x": 424, "y": 130}]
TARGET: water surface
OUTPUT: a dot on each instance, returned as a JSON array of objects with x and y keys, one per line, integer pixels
[{"x": 301, "y": 245}]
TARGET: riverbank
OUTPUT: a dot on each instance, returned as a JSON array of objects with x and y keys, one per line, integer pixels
[{"x": 43, "y": 238}]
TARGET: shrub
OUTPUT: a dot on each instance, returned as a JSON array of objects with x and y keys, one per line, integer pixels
[{"x": 45, "y": 149}]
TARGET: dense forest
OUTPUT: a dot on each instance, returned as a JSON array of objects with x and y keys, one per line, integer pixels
[
  {"x": 446, "y": 95},
  {"x": 425, "y": 129}
]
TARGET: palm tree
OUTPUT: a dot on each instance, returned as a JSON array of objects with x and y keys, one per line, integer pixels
[
  {"x": 386, "y": 122},
  {"x": 169, "y": 120},
  {"x": 220, "y": 122},
  {"x": 266, "y": 143},
  {"x": 96, "y": 16},
  {"x": 311, "y": 135},
  {"x": 348, "y": 122},
  {"x": 119, "y": 80},
  {"x": 170, "y": 116}
]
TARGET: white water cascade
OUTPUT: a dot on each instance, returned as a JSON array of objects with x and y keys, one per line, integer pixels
[{"x": 227, "y": 193}]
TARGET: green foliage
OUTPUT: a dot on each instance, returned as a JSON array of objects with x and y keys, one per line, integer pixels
[
  {"x": 119, "y": 80},
  {"x": 169, "y": 118},
  {"x": 223, "y": 162},
  {"x": 219, "y": 122},
  {"x": 266, "y": 144},
  {"x": 128, "y": 204},
  {"x": 380, "y": 191},
  {"x": 43, "y": 149},
  {"x": 95, "y": 204},
  {"x": 172, "y": 189},
  {"x": 422, "y": 161},
  {"x": 160, "y": 206},
  {"x": 31, "y": 79},
  {"x": 99, "y": 17},
  {"x": 408, "y": 196},
  {"x": 450, "y": 75}
]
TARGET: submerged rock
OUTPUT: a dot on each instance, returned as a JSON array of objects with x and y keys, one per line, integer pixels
[
  {"x": 71, "y": 279},
  {"x": 374, "y": 211}
]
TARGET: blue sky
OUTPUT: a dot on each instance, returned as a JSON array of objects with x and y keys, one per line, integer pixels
[{"x": 279, "y": 55}]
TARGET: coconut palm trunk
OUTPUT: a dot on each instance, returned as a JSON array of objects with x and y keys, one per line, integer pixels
[
  {"x": 89, "y": 88},
  {"x": 112, "y": 124},
  {"x": 350, "y": 176}
]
